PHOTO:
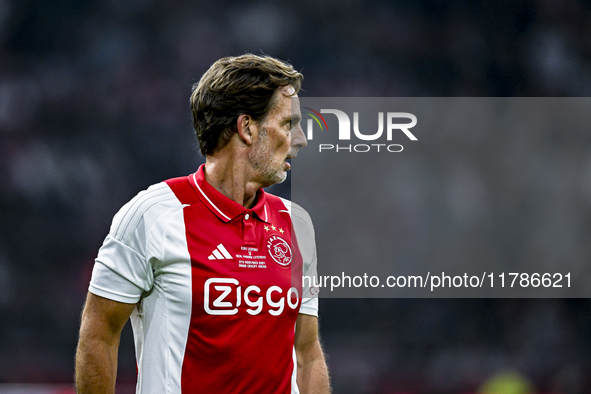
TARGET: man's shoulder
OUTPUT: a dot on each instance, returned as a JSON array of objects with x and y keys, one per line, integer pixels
[
  {"x": 154, "y": 195},
  {"x": 297, "y": 213},
  {"x": 147, "y": 206},
  {"x": 284, "y": 204}
]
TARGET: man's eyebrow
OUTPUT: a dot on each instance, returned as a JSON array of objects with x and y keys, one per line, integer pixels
[{"x": 295, "y": 118}]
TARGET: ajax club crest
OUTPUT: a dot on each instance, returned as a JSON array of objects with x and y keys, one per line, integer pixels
[{"x": 279, "y": 250}]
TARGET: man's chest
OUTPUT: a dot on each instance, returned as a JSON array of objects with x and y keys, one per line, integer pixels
[
  {"x": 246, "y": 265},
  {"x": 245, "y": 244}
]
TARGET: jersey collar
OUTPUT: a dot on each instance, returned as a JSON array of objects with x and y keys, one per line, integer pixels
[{"x": 222, "y": 206}]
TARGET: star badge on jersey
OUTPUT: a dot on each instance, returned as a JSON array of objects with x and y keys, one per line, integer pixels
[{"x": 273, "y": 228}]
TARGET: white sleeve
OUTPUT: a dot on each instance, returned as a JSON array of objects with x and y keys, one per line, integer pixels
[
  {"x": 122, "y": 270},
  {"x": 304, "y": 230}
]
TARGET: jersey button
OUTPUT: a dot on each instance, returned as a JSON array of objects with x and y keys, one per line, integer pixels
[{"x": 246, "y": 216}]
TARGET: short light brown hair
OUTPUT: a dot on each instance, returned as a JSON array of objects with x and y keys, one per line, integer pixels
[{"x": 234, "y": 86}]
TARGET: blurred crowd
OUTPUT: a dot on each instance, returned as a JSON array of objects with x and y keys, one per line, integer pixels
[{"x": 94, "y": 108}]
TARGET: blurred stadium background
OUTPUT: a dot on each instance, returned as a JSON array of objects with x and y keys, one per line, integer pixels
[{"x": 94, "y": 108}]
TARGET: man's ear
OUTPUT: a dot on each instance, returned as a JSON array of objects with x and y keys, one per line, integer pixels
[{"x": 245, "y": 126}]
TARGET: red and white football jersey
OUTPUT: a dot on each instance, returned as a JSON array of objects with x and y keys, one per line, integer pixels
[{"x": 217, "y": 286}]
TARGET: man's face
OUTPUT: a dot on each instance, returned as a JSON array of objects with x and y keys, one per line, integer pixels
[{"x": 280, "y": 137}]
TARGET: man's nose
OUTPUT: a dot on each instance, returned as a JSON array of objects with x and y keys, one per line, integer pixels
[{"x": 298, "y": 138}]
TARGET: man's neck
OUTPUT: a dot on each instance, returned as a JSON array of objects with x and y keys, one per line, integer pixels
[{"x": 229, "y": 175}]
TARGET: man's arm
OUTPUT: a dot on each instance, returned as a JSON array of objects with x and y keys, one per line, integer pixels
[
  {"x": 312, "y": 377},
  {"x": 96, "y": 357}
]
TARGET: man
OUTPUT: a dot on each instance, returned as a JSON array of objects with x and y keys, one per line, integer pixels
[{"x": 209, "y": 266}]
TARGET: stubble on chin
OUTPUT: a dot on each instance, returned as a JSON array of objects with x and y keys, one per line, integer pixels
[{"x": 261, "y": 158}]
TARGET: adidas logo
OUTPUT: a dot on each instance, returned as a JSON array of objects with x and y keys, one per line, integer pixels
[{"x": 220, "y": 253}]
